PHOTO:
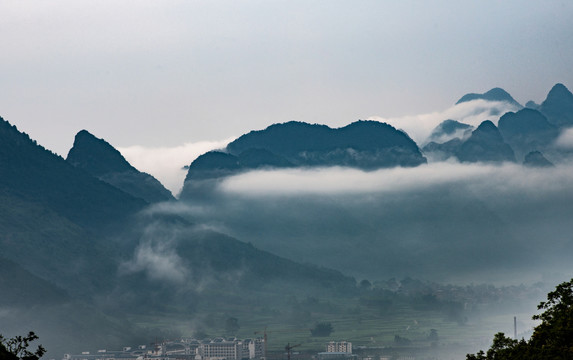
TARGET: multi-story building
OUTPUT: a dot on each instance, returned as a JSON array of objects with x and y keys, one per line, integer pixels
[
  {"x": 221, "y": 349},
  {"x": 339, "y": 347},
  {"x": 187, "y": 349}
]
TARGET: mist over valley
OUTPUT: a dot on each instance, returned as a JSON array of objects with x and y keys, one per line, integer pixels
[{"x": 448, "y": 224}]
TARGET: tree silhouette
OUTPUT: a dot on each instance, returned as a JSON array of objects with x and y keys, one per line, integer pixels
[
  {"x": 17, "y": 348},
  {"x": 552, "y": 339},
  {"x": 322, "y": 329}
]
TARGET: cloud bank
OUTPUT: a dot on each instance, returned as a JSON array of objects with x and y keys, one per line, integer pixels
[
  {"x": 166, "y": 163},
  {"x": 442, "y": 221},
  {"x": 419, "y": 127}
]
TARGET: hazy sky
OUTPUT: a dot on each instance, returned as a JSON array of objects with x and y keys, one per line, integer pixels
[{"x": 167, "y": 73}]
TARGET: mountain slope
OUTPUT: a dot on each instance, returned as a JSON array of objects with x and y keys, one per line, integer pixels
[
  {"x": 366, "y": 145},
  {"x": 558, "y": 106},
  {"x": 450, "y": 129},
  {"x": 362, "y": 144},
  {"x": 99, "y": 158},
  {"x": 527, "y": 130},
  {"x": 28, "y": 170},
  {"x": 495, "y": 94},
  {"x": 485, "y": 145},
  {"x": 536, "y": 159}
]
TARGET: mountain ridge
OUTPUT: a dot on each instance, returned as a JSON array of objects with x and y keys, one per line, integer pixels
[{"x": 100, "y": 159}]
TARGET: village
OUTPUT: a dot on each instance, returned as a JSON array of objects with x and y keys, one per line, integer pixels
[{"x": 216, "y": 349}]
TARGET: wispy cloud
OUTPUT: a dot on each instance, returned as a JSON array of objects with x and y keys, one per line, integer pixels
[
  {"x": 159, "y": 261},
  {"x": 441, "y": 220},
  {"x": 565, "y": 139},
  {"x": 419, "y": 127},
  {"x": 501, "y": 178},
  {"x": 166, "y": 163}
]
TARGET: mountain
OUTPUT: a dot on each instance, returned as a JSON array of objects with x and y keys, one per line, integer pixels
[
  {"x": 362, "y": 144},
  {"x": 527, "y": 130},
  {"x": 442, "y": 151},
  {"x": 558, "y": 106},
  {"x": 485, "y": 145},
  {"x": 532, "y": 105},
  {"x": 100, "y": 159},
  {"x": 536, "y": 159},
  {"x": 449, "y": 129},
  {"x": 55, "y": 218},
  {"x": 78, "y": 254},
  {"x": 197, "y": 266},
  {"x": 19, "y": 286},
  {"x": 365, "y": 145},
  {"x": 30, "y": 172},
  {"x": 495, "y": 94}
]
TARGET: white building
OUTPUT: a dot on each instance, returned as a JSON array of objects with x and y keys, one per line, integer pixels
[
  {"x": 221, "y": 349},
  {"x": 339, "y": 347}
]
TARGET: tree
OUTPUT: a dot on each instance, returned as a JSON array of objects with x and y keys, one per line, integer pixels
[
  {"x": 434, "y": 337},
  {"x": 402, "y": 341},
  {"x": 322, "y": 329},
  {"x": 232, "y": 325},
  {"x": 17, "y": 348},
  {"x": 552, "y": 339}
]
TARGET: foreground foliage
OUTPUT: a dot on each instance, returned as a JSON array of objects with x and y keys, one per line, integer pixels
[
  {"x": 552, "y": 339},
  {"x": 16, "y": 348}
]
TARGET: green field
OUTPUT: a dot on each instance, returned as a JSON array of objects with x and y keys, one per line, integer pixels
[{"x": 365, "y": 325}]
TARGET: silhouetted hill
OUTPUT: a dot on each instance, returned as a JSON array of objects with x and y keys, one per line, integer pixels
[
  {"x": 262, "y": 158},
  {"x": 209, "y": 250},
  {"x": 362, "y": 144},
  {"x": 558, "y": 106},
  {"x": 99, "y": 158},
  {"x": 485, "y": 145},
  {"x": 527, "y": 130},
  {"x": 442, "y": 151},
  {"x": 54, "y": 217},
  {"x": 536, "y": 159},
  {"x": 34, "y": 173},
  {"x": 449, "y": 129},
  {"x": 213, "y": 164},
  {"x": 205, "y": 266},
  {"x": 532, "y": 105},
  {"x": 495, "y": 94}
]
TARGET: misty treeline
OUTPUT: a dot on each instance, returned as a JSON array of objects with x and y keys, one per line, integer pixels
[{"x": 552, "y": 339}]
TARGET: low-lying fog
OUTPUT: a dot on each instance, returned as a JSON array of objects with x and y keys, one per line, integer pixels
[{"x": 443, "y": 221}]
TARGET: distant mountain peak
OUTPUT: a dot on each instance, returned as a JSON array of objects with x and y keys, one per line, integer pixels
[
  {"x": 495, "y": 94},
  {"x": 558, "y": 106},
  {"x": 100, "y": 159},
  {"x": 536, "y": 159},
  {"x": 487, "y": 126},
  {"x": 96, "y": 155},
  {"x": 362, "y": 144},
  {"x": 559, "y": 90},
  {"x": 448, "y": 130},
  {"x": 485, "y": 144}
]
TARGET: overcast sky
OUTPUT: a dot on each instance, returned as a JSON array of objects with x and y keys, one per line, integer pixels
[{"x": 166, "y": 73}]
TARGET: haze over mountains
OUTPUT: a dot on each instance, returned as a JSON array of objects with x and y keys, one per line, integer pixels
[{"x": 295, "y": 206}]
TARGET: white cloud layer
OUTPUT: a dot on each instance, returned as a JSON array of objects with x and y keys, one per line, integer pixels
[
  {"x": 443, "y": 220},
  {"x": 419, "y": 127},
  {"x": 166, "y": 163},
  {"x": 505, "y": 178},
  {"x": 159, "y": 261}
]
